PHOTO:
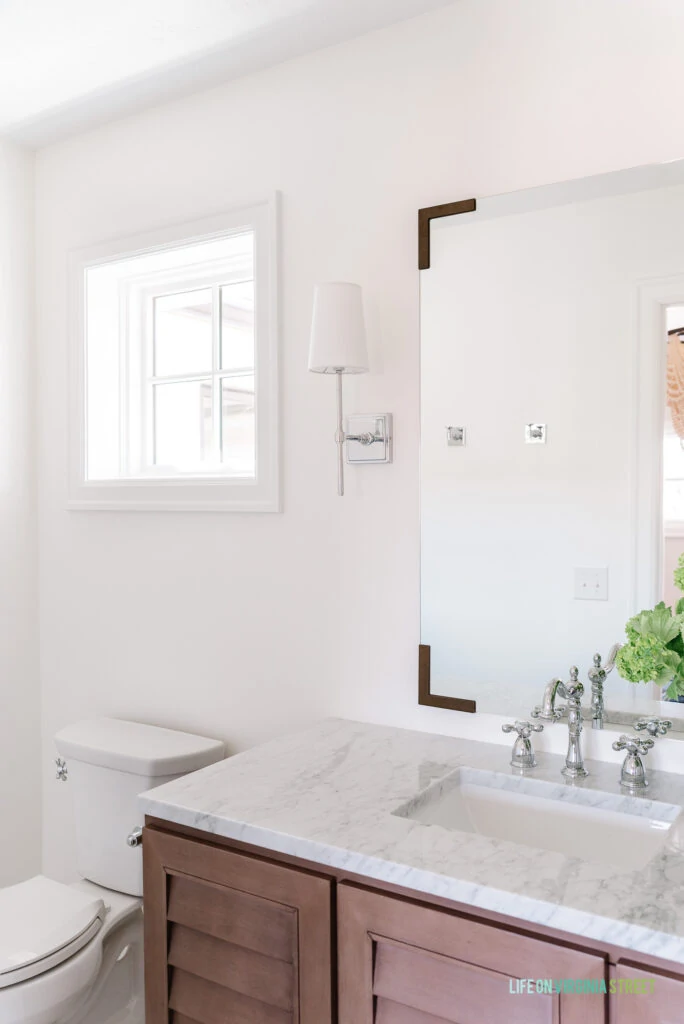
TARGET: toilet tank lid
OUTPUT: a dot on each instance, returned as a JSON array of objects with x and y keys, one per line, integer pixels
[{"x": 139, "y": 749}]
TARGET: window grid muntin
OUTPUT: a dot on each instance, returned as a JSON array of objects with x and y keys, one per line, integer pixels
[{"x": 217, "y": 375}]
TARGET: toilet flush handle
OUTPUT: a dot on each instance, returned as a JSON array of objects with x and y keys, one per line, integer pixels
[{"x": 135, "y": 837}]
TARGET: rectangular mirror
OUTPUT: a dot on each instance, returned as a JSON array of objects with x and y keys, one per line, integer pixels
[{"x": 552, "y": 466}]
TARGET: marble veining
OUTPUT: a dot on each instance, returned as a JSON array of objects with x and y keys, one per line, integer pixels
[{"x": 330, "y": 794}]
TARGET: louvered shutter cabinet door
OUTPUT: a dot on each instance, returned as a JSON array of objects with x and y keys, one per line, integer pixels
[
  {"x": 233, "y": 939},
  {"x": 405, "y": 963}
]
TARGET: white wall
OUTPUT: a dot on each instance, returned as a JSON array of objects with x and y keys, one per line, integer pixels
[
  {"x": 19, "y": 681},
  {"x": 242, "y": 626}
]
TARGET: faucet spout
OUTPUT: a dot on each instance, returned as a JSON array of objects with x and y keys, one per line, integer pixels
[{"x": 547, "y": 710}]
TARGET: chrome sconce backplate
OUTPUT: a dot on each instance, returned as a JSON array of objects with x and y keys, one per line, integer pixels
[
  {"x": 369, "y": 439},
  {"x": 535, "y": 433},
  {"x": 456, "y": 436}
]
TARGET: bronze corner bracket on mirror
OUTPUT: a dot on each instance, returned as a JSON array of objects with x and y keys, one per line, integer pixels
[
  {"x": 431, "y": 699},
  {"x": 429, "y": 213}
]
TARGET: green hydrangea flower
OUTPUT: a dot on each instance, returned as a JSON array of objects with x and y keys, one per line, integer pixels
[
  {"x": 679, "y": 573},
  {"x": 647, "y": 659},
  {"x": 655, "y": 645},
  {"x": 676, "y": 687},
  {"x": 659, "y": 623}
]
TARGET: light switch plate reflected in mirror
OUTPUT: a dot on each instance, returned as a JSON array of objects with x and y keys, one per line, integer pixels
[{"x": 591, "y": 584}]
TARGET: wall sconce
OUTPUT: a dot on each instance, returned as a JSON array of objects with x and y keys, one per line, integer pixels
[{"x": 338, "y": 345}]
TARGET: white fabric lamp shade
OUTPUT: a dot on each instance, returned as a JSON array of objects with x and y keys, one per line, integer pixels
[{"x": 338, "y": 332}]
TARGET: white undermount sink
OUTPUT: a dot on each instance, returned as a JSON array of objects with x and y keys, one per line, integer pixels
[{"x": 622, "y": 831}]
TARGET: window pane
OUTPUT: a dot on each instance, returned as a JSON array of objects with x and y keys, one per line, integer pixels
[
  {"x": 238, "y": 448},
  {"x": 237, "y": 326},
  {"x": 182, "y": 333},
  {"x": 183, "y": 437}
]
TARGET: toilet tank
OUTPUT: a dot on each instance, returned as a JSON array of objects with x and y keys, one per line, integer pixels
[{"x": 109, "y": 763}]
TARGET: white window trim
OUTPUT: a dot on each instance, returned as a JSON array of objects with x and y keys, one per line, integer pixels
[{"x": 187, "y": 492}]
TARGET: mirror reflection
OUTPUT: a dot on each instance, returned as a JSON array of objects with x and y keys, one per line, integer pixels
[{"x": 552, "y": 445}]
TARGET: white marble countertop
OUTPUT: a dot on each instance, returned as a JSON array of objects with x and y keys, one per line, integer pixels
[{"x": 326, "y": 794}]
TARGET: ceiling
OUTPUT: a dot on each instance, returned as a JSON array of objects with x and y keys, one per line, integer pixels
[{"x": 65, "y": 66}]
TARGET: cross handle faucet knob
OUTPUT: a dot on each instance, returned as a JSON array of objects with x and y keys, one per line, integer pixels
[
  {"x": 522, "y": 758},
  {"x": 653, "y": 726},
  {"x": 634, "y": 744},
  {"x": 523, "y": 729}
]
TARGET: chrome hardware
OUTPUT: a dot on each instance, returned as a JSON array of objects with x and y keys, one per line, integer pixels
[
  {"x": 135, "y": 837},
  {"x": 572, "y": 692},
  {"x": 535, "y": 433},
  {"x": 597, "y": 677},
  {"x": 633, "y": 774},
  {"x": 653, "y": 726},
  {"x": 62, "y": 771},
  {"x": 523, "y": 754},
  {"x": 547, "y": 710},
  {"x": 456, "y": 436},
  {"x": 365, "y": 439},
  {"x": 368, "y": 439}
]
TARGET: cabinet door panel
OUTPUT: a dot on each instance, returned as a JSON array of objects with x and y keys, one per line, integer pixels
[
  {"x": 405, "y": 963},
  {"x": 665, "y": 1005},
  {"x": 232, "y": 939},
  {"x": 233, "y": 916},
  {"x": 215, "y": 1004},
  {"x": 234, "y": 967},
  {"x": 389, "y": 1012},
  {"x": 451, "y": 990}
]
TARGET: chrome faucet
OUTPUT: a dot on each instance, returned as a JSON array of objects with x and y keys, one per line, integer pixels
[
  {"x": 547, "y": 710},
  {"x": 522, "y": 757},
  {"x": 597, "y": 677},
  {"x": 633, "y": 774},
  {"x": 572, "y": 692},
  {"x": 653, "y": 726}
]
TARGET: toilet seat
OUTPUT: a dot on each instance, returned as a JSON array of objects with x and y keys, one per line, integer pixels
[{"x": 42, "y": 924}]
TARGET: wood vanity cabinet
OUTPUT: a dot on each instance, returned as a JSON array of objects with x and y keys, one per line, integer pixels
[
  {"x": 235, "y": 937},
  {"x": 665, "y": 1005},
  {"x": 404, "y": 963},
  {"x": 231, "y": 939}
]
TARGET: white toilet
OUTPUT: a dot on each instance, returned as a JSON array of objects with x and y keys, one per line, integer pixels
[{"x": 72, "y": 954}]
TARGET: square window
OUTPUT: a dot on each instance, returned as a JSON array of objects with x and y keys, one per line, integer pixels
[{"x": 175, "y": 402}]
